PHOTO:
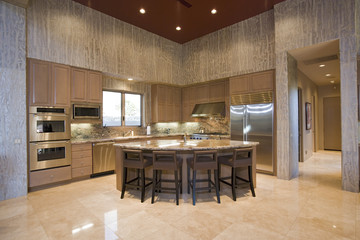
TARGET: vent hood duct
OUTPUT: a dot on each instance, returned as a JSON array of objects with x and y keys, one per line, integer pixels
[{"x": 209, "y": 109}]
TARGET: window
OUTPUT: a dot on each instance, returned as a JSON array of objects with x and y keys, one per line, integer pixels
[
  {"x": 121, "y": 109},
  {"x": 132, "y": 109},
  {"x": 111, "y": 108}
]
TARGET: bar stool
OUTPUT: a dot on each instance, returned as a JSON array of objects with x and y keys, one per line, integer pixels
[
  {"x": 166, "y": 161},
  {"x": 135, "y": 159},
  {"x": 203, "y": 160},
  {"x": 240, "y": 158}
]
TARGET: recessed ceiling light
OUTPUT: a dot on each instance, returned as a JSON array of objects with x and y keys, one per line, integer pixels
[
  {"x": 332, "y": 81},
  {"x": 178, "y": 28},
  {"x": 322, "y": 65},
  {"x": 142, "y": 11},
  {"x": 130, "y": 79},
  {"x": 213, "y": 11},
  {"x": 328, "y": 75}
]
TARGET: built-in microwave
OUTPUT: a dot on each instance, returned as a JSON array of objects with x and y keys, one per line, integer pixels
[{"x": 86, "y": 111}]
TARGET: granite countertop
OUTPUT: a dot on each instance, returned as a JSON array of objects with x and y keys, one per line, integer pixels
[
  {"x": 138, "y": 137},
  {"x": 96, "y": 140},
  {"x": 180, "y": 145}
]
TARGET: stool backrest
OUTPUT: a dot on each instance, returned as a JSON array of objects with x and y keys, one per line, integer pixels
[
  {"x": 133, "y": 155},
  {"x": 164, "y": 159},
  {"x": 205, "y": 159},
  {"x": 241, "y": 154}
]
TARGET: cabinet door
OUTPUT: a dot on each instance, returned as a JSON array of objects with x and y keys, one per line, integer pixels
[
  {"x": 239, "y": 84},
  {"x": 261, "y": 81},
  {"x": 162, "y": 113},
  {"x": 61, "y": 85},
  {"x": 202, "y": 94},
  {"x": 94, "y": 87},
  {"x": 162, "y": 94},
  {"x": 78, "y": 85},
  {"x": 177, "y": 104},
  {"x": 40, "y": 83},
  {"x": 217, "y": 92}
]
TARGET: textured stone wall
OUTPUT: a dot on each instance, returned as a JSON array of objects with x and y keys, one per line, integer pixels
[
  {"x": 245, "y": 47},
  {"x": 300, "y": 23},
  {"x": 13, "y": 156},
  {"x": 70, "y": 33}
]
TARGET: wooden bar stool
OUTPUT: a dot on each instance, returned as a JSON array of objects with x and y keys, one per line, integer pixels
[
  {"x": 135, "y": 159},
  {"x": 167, "y": 161},
  {"x": 203, "y": 160},
  {"x": 241, "y": 158}
]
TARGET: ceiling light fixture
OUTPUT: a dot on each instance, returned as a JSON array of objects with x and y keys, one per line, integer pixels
[
  {"x": 322, "y": 65},
  {"x": 332, "y": 81},
  {"x": 178, "y": 28},
  {"x": 213, "y": 11},
  {"x": 328, "y": 75},
  {"x": 130, "y": 79},
  {"x": 142, "y": 11}
]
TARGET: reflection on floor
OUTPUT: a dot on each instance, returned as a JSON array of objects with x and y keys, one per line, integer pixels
[{"x": 309, "y": 207}]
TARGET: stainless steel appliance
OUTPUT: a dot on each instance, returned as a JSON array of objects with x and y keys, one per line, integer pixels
[
  {"x": 251, "y": 118},
  {"x": 49, "y": 135},
  {"x": 50, "y": 154},
  {"x": 47, "y": 123},
  {"x": 103, "y": 158},
  {"x": 209, "y": 109},
  {"x": 205, "y": 136},
  {"x": 86, "y": 111}
]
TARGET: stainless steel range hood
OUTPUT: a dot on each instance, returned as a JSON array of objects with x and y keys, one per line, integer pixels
[{"x": 209, "y": 109}]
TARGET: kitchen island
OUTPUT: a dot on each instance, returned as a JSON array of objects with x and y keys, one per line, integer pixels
[{"x": 183, "y": 148}]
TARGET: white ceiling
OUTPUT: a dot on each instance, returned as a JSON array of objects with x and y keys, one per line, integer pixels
[{"x": 309, "y": 59}]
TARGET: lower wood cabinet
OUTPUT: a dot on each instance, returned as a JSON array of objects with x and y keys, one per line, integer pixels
[
  {"x": 47, "y": 176},
  {"x": 81, "y": 158}
]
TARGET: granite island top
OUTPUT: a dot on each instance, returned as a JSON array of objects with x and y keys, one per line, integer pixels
[
  {"x": 189, "y": 145},
  {"x": 135, "y": 138}
]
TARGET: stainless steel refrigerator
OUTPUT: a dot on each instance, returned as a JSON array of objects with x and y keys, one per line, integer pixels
[{"x": 254, "y": 122}]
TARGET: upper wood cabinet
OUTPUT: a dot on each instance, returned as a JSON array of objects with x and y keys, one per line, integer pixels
[
  {"x": 49, "y": 84},
  {"x": 86, "y": 86},
  {"x": 256, "y": 82},
  {"x": 202, "y": 93},
  {"x": 165, "y": 103},
  {"x": 217, "y": 91}
]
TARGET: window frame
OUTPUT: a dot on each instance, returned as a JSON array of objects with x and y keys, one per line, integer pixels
[{"x": 123, "y": 107}]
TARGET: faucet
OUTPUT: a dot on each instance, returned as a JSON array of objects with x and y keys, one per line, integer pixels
[
  {"x": 167, "y": 131},
  {"x": 131, "y": 133},
  {"x": 201, "y": 130}
]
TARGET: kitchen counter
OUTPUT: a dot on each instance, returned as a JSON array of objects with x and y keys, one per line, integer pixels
[
  {"x": 184, "y": 149},
  {"x": 189, "y": 145},
  {"x": 138, "y": 137},
  {"x": 116, "y": 139}
]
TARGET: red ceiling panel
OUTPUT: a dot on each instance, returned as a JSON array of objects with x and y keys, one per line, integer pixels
[{"x": 162, "y": 16}]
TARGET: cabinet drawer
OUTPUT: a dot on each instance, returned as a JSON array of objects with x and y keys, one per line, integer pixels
[
  {"x": 81, "y": 154},
  {"x": 81, "y": 162},
  {"x": 81, "y": 171},
  {"x": 81, "y": 147},
  {"x": 49, "y": 176}
]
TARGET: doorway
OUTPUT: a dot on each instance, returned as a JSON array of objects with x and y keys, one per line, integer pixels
[
  {"x": 318, "y": 89},
  {"x": 300, "y": 123},
  {"x": 332, "y": 123}
]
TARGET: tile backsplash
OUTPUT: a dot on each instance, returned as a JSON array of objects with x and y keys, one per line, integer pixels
[{"x": 95, "y": 131}]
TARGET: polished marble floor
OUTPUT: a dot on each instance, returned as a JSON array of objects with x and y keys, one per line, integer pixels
[{"x": 309, "y": 207}]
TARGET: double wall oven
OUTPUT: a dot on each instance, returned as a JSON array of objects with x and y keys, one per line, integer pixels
[{"x": 49, "y": 134}]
